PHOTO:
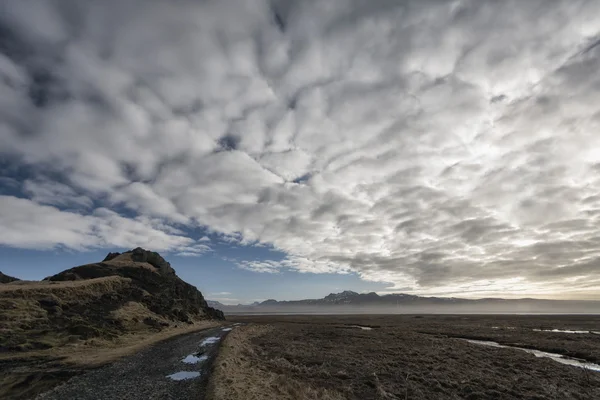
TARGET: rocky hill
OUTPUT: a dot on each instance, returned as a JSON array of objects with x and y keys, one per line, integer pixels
[
  {"x": 7, "y": 279},
  {"x": 125, "y": 293}
]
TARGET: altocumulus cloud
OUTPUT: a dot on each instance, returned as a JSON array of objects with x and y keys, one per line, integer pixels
[{"x": 443, "y": 147}]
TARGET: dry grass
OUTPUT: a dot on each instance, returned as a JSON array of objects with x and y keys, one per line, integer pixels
[
  {"x": 72, "y": 288},
  {"x": 133, "y": 314},
  {"x": 24, "y": 375},
  {"x": 396, "y": 360},
  {"x": 44, "y": 315},
  {"x": 29, "y": 310},
  {"x": 98, "y": 351},
  {"x": 87, "y": 316},
  {"x": 238, "y": 374},
  {"x": 95, "y": 352},
  {"x": 125, "y": 260}
]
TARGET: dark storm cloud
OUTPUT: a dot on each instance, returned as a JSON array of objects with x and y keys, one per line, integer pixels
[{"x": 448, "y": 147}]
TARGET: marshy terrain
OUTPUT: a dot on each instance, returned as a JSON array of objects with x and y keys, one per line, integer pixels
[
  {"x": 409, "y": 357},
  {"x": 128, "y": 327}
]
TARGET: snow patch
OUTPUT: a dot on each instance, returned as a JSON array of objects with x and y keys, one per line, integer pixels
[
  {"x": 193, "y": 359},
  {"x": 210, "y": 340},
  {"x": 183, "y": 375}
]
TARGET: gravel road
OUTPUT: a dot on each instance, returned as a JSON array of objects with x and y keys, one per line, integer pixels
[{"x": 174, "y": 369}]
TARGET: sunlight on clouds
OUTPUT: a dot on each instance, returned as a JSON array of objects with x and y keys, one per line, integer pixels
[{"x": 440, "y": 147}]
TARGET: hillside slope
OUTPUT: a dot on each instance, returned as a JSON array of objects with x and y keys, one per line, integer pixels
[
  {"x": 126, "y": 293},
  {"x": 7, "y": 279}
]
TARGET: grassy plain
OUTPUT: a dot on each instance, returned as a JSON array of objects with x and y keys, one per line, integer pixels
[{"x": 404, "y": 357}]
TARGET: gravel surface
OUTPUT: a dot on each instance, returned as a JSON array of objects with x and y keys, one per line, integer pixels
[{"x": 145, "y": 375}]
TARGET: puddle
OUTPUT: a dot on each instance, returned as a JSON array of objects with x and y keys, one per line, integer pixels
[
  {"x": 561, "y": 331},
  {"x": 210, "y": 340},
  {"x": 556, "y": 357},
  {"x": 193, "y": 359},
  {"x": 183, "y": 375},
  {"x": 226, "y": 329},
  {"x": 364, "y": 328}
]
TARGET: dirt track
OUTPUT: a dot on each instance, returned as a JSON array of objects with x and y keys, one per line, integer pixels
[{"x": 144, "y": 375}]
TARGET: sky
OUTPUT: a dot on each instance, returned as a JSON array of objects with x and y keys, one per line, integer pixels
[{"x": 289, "y": 149}]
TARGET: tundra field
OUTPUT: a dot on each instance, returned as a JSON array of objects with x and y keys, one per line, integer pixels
[{"x": 408, "y": 357}]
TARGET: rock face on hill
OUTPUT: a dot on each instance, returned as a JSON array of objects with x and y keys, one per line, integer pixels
[
  {"x": 154, "y": 284},
  {"x": 144, "y": 256},
  {"x": 134, "y": 291}
]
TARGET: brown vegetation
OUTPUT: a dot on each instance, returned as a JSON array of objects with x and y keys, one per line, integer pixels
[
  {"x": 239, "y": 373},
  {"x": 129, "y": 299},
  {"x": 24, "y": 375},
  {"x": 131, "y": 292},
  {"x": 402, "y": 357},
  {"x": 42, "y": 315}
]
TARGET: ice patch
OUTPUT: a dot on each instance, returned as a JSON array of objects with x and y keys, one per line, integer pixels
[
  {"x": 560, "y": 331},
  {"x": 183, "y": 375},
  {"x": 210, "y": 340},
  {"x": 193, "y": 359},
  {"x": 364, "y": 328},
  {"x": 574, "y": 362},
  {"x": 226, "y": 329}
]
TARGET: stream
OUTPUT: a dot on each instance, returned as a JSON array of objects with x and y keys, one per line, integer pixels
[{"x": 574, "y": 362}]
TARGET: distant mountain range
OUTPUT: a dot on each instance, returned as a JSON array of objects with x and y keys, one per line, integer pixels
[{"x": 353, "y": 302}]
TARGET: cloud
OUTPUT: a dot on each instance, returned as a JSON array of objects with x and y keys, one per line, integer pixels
[
  {"x": 263, "y": 266},
  {"x": 27, "y": 224},
  {"x": 195, "y": 251},
  {"x": 218, "y": 294},
  {"x": 438, "y": 146},
  {"x": 55, "y": 193}
]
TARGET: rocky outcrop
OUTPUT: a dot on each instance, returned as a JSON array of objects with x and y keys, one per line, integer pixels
[
  {"x": 153, "y": 258},
  {"x": 144, "y": 256},
  {"x": 126, "y": 293},
  {"x": 111, "y": 256},
  {"x": 164, "y": 292}
]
